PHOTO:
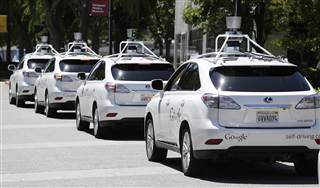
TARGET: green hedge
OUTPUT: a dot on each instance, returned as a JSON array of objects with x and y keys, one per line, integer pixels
[{"x": 313, "y": 75}]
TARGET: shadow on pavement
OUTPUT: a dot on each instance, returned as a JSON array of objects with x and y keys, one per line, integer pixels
[
  {"x": 65, "y": 115},
  {"x": 122, "y": 133},
  {"x": 243, "y": 172}
]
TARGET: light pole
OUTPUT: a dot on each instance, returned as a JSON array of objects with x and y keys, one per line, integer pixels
[{"x": 110, "y": 27}]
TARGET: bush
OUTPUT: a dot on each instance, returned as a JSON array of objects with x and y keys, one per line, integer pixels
[{"x": 313, "y": 75}]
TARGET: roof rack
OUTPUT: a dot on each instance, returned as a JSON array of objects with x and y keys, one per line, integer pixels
[
  {"x": 231, "y": 44},
  {"x": 45, "y": 49},
  {"x": 134, "y": 49},
  {"x": 79, "y": 48}
]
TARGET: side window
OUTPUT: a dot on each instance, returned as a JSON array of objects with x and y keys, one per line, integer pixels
[
  {"x": 98, "y": 73},
  {"x": 50, "y": 66},
  {"x": 20, "y": 66},
  {"x": 173, "y": 83},
  {"x": 190, "y": 81}
]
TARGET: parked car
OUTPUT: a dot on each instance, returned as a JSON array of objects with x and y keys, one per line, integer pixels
[
  {"x": 56, "y": 87},
  {"x": 21, "y": 83},
  {"x": 118, "y": 88},
  {"x": 235, "y": 103}
]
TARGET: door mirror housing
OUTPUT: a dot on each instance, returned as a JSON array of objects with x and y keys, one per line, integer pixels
[
  {"x": 38, "y": 70},
  {"x": 81, "y": 76},
  {"x": 157, "y": 84},
  {"x": 12, "y": 67}
]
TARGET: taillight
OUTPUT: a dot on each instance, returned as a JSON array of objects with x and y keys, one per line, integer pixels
[
  {"x": 210, "y": 100},
  {"x": 309, "y": 102},
  {"x": 222, "y": 102},
  {"x": 30, "y": 74},
  {"x": 228, "y": 103},
  {"x": 116, "y": 88},
  {"x": 62, "y": 78}
]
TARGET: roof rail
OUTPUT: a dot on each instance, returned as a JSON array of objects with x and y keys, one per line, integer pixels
[
  {"x": 130, "y": 49},
  {"x": 79, "y": 45},
  {"x": 44, "y": 46}
]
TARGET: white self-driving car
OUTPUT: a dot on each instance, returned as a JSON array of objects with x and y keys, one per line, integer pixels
[
  {"x": 234, "y": 103},
  {"x": 118, "y": 88},
  {"x": 56, "y": 87},
  {"x": 21, "y": 84}
]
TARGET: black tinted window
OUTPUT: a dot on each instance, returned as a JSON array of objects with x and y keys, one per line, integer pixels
[
  {"x": 173, "y": 83},
  {"x": 98, "y": 73},
  {"x": 258, "y": 79},
  {"x": 142, "y": 72},
  {"x": 50, "y": 66},
  {"x": 76, "y": 65},
  {"x": 33, "y": 63},
  {"x": 190, "y": 81}
]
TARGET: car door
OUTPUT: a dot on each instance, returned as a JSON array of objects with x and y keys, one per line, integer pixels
[
  {"x": 182, "y": 98},
  {"x": 165, "y": 108},
  {"x": 42, "y": 85},
  {"x": 17, "y": 75},
  {"x": 89, "y": 90}
]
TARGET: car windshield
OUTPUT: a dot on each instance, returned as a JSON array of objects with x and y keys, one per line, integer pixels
[
  {"x": 142, "y": 72},
  {"x": 77, "y": 65},
  {"x": 258, "y": 79},
  {"x": 33, "y": 63}
]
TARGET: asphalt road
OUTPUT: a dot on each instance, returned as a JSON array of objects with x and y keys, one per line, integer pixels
[{"x": 49, "y": 152}]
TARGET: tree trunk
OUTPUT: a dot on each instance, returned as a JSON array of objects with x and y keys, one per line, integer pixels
[
  {"x": 96, "y": 30},
  {"x": 260, "y": 22},
  {"x": 168, "y": 48},
  {"x": 53, "y": 23},
  {"x": 84, "y": 18}
]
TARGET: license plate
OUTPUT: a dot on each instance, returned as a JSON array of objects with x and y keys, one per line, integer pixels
[
  {"x": 146, "y": 97},
  {"x": 267, "y": 117}
]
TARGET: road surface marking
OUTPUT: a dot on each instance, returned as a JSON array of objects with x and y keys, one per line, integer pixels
[
  {"x": 94, "y": 173},
  {"x": 44, "y": 145},
  {"x": 38, "y": 126}
]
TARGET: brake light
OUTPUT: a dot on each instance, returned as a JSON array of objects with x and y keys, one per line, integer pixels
[
  {"x": 210, "y": 100},
  {"x": 228, "y": 103},
  {"x": 222, "y": 102},
  {"x": 30, "y": 74},
  {"x": 62, "y": 78},
  {"x": 116, "y": 88},
  {"x": 58, "y": 77},
  {"x": 317, "y": 141},
  {"x": 309, "y": 102},
  {"x": 213, "y": 141}
]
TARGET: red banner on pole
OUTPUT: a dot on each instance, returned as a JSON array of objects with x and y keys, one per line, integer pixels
[{"x": 99, "y": 8}]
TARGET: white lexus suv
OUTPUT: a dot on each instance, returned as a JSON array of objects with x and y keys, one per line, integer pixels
[
  {"x": 119, "y": 88},
  {"x": 21, "y": 83},
  {"x": 234, "y": 103},
  {"x": 56, "y": 87}
]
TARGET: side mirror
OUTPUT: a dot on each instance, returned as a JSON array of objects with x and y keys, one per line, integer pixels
[
  {"x": 157, "y": 84},
  {"x": 12, "y": 68},
  {"x": 38, "y": 70},
  {"x": 81, "y": 76}
]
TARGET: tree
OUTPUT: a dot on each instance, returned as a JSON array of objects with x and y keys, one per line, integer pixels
[
  {"x": 162, "y": 25},
  {"x": 210, "y": 16}
]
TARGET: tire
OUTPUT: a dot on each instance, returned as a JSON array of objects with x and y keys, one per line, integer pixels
[
  {"x": 19, "y": 102},
  {"x": 97, "y": 129},
  {"x": 306, "y": 167},
  {"x": 37, "y": 107},
  {"x": 12, "y": 100},
  {"x": 49, "y": 111},
  {"x": 190, "y": 165},
  {"x": 153, "y": 152},
  {"x": 81, "y": 125}
]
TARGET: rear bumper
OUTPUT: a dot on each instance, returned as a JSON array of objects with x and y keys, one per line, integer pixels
[
  {"x": 62, "y": 98},
  {"x": 70, "y": 105},
  {"x": 124, "y": 122},
  {"x": 282, "y": 153},
  {"x": 123, "y": 113},
  {"x": 26, "y": 90},
  {"x": 202, "y": 131}
]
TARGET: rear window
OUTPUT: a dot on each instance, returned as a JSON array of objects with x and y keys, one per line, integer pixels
[
  {"x": 142, "y": 72},
  {"x": 76, "y": 65},
  {"x": 33, "y": 63},
  {"x": 258, "y": 79}
]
